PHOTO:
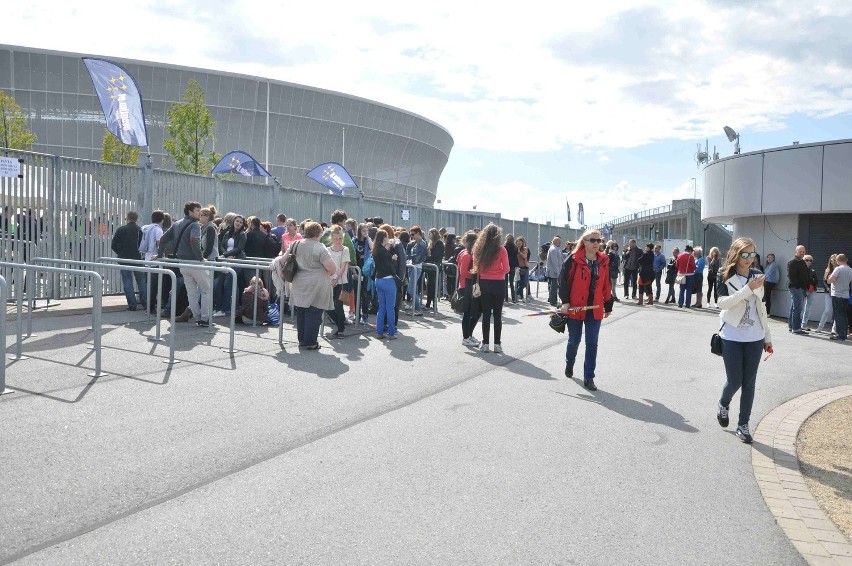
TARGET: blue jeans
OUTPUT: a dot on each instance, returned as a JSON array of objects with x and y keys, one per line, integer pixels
[
  {"x": 386, "y": 292},
  {"x": 308, "y": 321},
  {"x": 686, "y": 288},
  {"x": 575, "y": 333},
  {"x": 741, "y": 361},
  {"x": 414, "y": 272},
  {"x": 523, "y": 282},
  {"x": 127, "y": 282},
  {"x": 794, "y": 322}
]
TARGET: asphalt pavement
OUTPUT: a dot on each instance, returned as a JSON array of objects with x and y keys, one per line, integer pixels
[{"x": 416, "y": 451}]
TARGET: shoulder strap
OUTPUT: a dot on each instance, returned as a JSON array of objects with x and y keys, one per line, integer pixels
[{"x": 180, "y": 234}]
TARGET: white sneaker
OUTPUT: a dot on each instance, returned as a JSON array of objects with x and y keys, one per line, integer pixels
[
  {"x": 483, "y": 347},
  {"x": 468, "y": 342},
  {"x": 498, "y": 349},
  {"x": 475, "y": 341},
  {"x": 218, "y": 313}
]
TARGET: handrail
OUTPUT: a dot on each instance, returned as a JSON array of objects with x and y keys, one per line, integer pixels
[
  {"x": 4, "y": 291},
  {"x": 97, "y": 298},
  {"x": 188, "y": 264},
  {"x": 258, "y": 267},
  {"x": 160, "y": 271}
]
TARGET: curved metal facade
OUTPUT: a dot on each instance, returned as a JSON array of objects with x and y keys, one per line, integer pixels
[{"x": 391, "y": 153}]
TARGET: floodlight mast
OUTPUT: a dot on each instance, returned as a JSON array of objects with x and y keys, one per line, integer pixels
[{"x": 733, "y": 137}]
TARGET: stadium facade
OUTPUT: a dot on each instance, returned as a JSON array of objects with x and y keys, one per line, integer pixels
[{"x": 391, "y": 153}]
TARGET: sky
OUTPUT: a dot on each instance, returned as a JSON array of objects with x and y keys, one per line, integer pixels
[{"x": 601, "y": 103}]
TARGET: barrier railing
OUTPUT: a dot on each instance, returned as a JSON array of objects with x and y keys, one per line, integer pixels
[
  {"x": 149, "y": 270},
  {"x": 454, "y": 270},
  {"x": 97, "y": 306},
  {"x": 4, "y": 291},
  {"x": 186, "y": 264}
]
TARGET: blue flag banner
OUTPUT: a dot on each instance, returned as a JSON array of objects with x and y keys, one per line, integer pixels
[
  {"x": 120, "y": 99},
  {"x": 569, "y": 210},
  {"x": 333, "y": 176},
  {"x": 580, "y": 215},
  {"x": 240, "y": 163}
]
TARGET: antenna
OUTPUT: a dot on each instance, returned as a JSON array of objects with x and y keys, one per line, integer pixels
[{"x": 701, "y": 157}]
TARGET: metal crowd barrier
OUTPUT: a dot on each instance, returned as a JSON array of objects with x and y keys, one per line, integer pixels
[
  {"x": 445, "y": 265},
  {"x": 149, "y": 270},
  {"x": 186, "y": 264},
  {"x": 97, "y": 306},
  {"x": 4, "y": 291}
]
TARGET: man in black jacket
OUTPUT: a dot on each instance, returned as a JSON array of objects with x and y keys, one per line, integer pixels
[
  {"x": 797, "y": 281},
  {"x": 125, "y": 244}
]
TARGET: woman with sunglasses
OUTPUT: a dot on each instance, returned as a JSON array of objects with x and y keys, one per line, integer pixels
[
  {"x": 587, "y": 298},
  {"x": 744, "y": 332}
]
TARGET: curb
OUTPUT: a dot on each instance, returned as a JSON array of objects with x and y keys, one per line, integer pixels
[{"x": 775, "y": 463}]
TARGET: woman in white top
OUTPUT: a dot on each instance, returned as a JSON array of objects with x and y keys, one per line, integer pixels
[
  {"x": 745, "y": 331},
  {"x": 340, "y": 254}
]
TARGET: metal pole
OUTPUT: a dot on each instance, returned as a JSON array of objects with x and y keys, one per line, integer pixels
[
  {"x": 281, "y": 319},
  {"x": 97, "y": 291},
  {"x": 4, "y": 291}
]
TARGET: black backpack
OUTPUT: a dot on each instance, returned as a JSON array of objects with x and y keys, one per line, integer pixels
[
  {"x": 542, "y": 251},
  {"x": 271, "y": 245}
]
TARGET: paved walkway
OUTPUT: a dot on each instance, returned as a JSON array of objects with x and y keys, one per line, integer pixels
[{"x": 417, "y": 450}]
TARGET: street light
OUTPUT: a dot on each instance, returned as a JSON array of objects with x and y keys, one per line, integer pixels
[{"x": 694, "y": 188}]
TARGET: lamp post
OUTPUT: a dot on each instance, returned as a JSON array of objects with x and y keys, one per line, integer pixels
[{"x": 694, "y": 189}]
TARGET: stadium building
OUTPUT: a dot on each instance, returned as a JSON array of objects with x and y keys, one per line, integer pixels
[{"x": 391, "y": 153}]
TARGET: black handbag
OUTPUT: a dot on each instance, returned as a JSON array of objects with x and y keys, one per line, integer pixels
[
  {"x": 290, "y": 267},
  {"x": 716, "y": 342}
]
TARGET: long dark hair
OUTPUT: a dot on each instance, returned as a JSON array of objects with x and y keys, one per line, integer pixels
[
  {"x": 486, "y": 247},
  {"x": 449, "y": 246},
  {"x": 379, "y": 242},
  {"x": 231, "y": 232}
]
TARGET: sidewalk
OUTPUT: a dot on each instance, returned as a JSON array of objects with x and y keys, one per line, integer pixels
[{"x": 417, "y": 450}]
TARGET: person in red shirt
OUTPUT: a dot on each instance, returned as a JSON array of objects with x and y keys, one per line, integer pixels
[
  {"x": 586, "y": 293},
  {"x": 472, "y": 311},
  {"x": 490, "y": 266},
  {"x": 685, "y": 274}
]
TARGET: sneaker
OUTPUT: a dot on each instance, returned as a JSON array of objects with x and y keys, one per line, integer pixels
[
  {"x": 799, "y": 332},
  {"x": 483, "y": 347},
  {"x": 469, "y": 342},
  {"x": 381, "y": 336},
  {"x": 418, "y": 313},
  {"x": 364, "y": 319},
  {"x": 351, "y": 318},
  {"x": 202, "y": 323},
  {"x": 722, "y": 415},
  {"x": 475, "y": 341},
  {"x": 391, "y": 336},
  {"x": 590, "y": 384},
  {"x": 836, "y": 337},
  {"x": 218, "y": 314},
  {"x": 498, "y": 349},
  {"x": 743, "y": 433}
]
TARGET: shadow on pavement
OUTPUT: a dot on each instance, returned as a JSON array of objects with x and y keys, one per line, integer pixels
[
  {"x": 514, "y": 365},
  {"x": 652, "y": 412},
  {"x": 313, "y": 362}
]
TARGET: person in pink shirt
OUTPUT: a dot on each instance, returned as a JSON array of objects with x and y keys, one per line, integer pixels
[
  {"x": 472, "y": 311},
  {"x": 291, "y": 234},
  {"x": 490, "y": 267}
]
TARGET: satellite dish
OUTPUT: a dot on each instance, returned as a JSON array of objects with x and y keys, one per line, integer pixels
[{"x": 733, "y": 137}]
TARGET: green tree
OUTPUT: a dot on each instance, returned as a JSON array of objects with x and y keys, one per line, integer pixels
[
  {"x": 114, "y": 151},
  {"x": 191, "y": 127},
  {"x": 14, "y": 132}
]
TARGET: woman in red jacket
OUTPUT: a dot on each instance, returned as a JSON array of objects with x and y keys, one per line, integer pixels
[
  {"x": 585, "y": 283},
  {"x": 490, "y": 267}
]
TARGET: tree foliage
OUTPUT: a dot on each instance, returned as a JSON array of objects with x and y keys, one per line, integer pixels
[
  {"x": 191, "y": 126},
  {"x": 114, "y": 151},
  {"x": 14, "y": 132}
]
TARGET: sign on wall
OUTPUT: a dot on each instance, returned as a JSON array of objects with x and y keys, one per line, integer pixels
[{"x": 10, "y": 167}]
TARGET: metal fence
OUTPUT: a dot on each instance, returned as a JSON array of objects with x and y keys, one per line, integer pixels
[{"x": 68, "y": 208}]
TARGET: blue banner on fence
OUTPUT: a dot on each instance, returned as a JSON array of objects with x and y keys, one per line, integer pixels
[
  {"x": 240, "y": 163},
  {"x": 120, "y": 99},
  {"x": 333, "y": 176},
  {"x": 580, "y": 215}
]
